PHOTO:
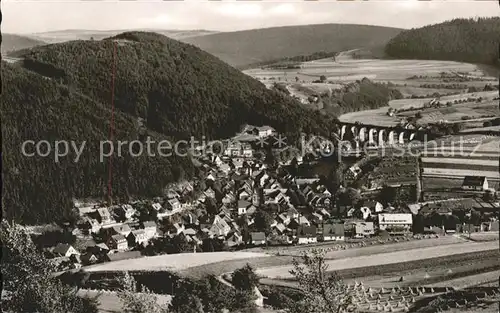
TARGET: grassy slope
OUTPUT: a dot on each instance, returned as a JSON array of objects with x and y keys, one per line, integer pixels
[
  {"x": 11, "y": 42},
  {"x": 243, "y": 48}
]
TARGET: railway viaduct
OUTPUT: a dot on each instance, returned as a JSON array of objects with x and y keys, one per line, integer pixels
[{"x": 376, "y": 135}]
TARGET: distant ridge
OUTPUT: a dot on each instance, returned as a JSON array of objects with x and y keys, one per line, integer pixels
[
  {"x": 247, "y": 47},
  {"x": 12, "y": 42},
  {"x": 57, "y": 36},
  {"x": 465, "y": 40}
]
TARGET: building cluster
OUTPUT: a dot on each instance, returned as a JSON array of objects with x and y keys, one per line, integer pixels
[{"x": 236, "y": 202}]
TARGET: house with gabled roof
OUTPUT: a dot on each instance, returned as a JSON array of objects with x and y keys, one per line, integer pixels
[
  {"x": 234, "y": 239},
  {"x": 243, "y": 194},
  {"x": 263, "y": 131},
  {"x": 104, "y": 216},
  {"x": 292, "y": 212},
  {"x": 117, "y": 242},
  {"x": 243, "y": 205},
  {"x": 137, "y": 237},
  {"x": 476, "y": 183},
  {"x": 123, "y": 229},
  {"x": 91, "y": 225},
  {"x": 88, "y": 258},
  {"x": 284, "y": 218},
  {"x": 251, "y": 209},
  {"x": 127, "y": 211},
  {"x": 216, "y": 225},
  {"x": 65, "y": 250},
  {"x": 258, "y": 238},
  {"x": 228, "y": 198},
  {"x": 324, "y": 213},
  {"x": 279, "y": 229},
  {"x": 150, "y": 228},
  {"x": 358, "y": 229},
  {"x": 306, "y": 234},
  {"x": 333, "y": 232},
  {"x": 374, "y": 206},
  {"x": 173, "y": 205},
  {"x": 209, "y": 192}
]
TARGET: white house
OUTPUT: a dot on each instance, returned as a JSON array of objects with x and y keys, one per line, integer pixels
[
  {"x": 139, "y": 236},
  {"x": 263, "y": 131},
  {"x": 150, "y": 229},
  {"x": 395, "y": 222}
]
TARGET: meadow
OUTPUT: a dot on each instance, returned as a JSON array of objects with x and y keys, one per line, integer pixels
[
  {"x": 283, "y": 272},
  {"x": 171, "y": 262}
]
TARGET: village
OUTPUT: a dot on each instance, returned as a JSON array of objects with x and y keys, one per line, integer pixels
[{"x": 240, "y": 202}]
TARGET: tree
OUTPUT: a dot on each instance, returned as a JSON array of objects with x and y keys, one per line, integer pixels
[
  {"x": 323, "y": 292},
  {"x": 138, "y": 300},
  {"x": 211, "y": 206},
  {"x": 29, "y": 281},
  {"x": 388, "y": 194},
  {"x": 244, "y": 278},
  {"x": 263, "y": 221},
  {"x": 322, "y": 78},
  {"x": 457, "y": 127},
  {"x": 349, "y": 196},
  {"x": 418, "y": 224}
]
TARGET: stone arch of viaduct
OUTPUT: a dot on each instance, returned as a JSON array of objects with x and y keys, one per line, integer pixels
[{"x": 376, "y": 135}]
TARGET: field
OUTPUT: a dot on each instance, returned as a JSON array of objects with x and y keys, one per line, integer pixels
[
  {"x": 347, "y": 69},
  {"x": 486, "y": 236},
  {"x": 472, "y": 268},
  {"x": 421, "y": 78},
  {"x": 171, "y": 262},
  {"x": 282, "y": 272},
  {"x": 338, "y": 250},
  {"x": 282, "y": 256},
  {"x": 451, "y": 114}
]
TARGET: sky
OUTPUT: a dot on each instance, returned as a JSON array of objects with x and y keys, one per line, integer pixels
[{"x": 36, "y": 16}]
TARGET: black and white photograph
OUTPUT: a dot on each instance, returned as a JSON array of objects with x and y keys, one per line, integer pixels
[{"x": 232, "y": 156}]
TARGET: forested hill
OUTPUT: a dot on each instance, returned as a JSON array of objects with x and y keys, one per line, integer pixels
[
  {"x": 176, "y": 88},
  {"x": 37, "y": 189},
  {"x": 244, "y": 48},
  {"x": 466, "y": 40}
]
